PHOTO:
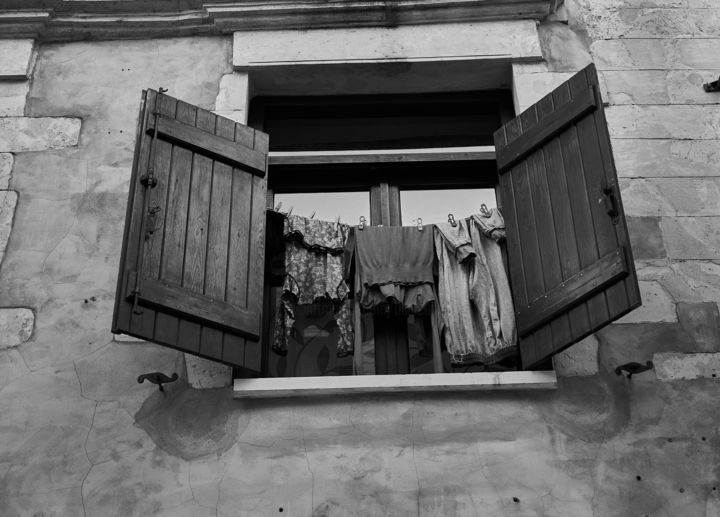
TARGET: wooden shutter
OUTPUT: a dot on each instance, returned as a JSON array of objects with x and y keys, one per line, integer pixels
[
  {"x": 571, "y": 267},
  {"x": 192, "y": 260}
]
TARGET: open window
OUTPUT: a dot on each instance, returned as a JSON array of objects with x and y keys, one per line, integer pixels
[{"x": 193, "y": 273}]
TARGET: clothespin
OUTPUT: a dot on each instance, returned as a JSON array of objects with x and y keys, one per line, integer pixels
[
  {"x": 337, "y": 222},
  {"x": 451, "y": 220},
  {"x": 290, "y": 211},
  {"x": 363, "y": 222},
  {"x": 419, "y": 224},
  {"x": 312, "y": 215},
  {"x": 484, "y": 210},
  {"x": 278, "y": 206}
]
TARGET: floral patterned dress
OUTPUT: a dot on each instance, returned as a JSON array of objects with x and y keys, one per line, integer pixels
[{"x": 314, "y": 271}]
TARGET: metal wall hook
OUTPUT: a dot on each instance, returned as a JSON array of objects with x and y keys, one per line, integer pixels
[
  {"x": 451, "y": 220},
  {"x": 713, "y": 86},
  {"x": 484, "y": 210},
  {"x": 633, "y": 368},
  {"x": 158, "y": 378},
  {"x": 363, "y": 222},
  {"x": 419, "y": 224}
]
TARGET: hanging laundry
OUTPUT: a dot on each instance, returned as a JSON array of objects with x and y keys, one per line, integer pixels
[
  {"x": 313, "y": 271},
  {"x": 473, "y": 291},
  {"x": 491, "y": 224},
  {"x": 394, "y": 264}
]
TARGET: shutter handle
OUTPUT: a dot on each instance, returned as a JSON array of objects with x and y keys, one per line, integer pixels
[{"x": 610, "y": 200}]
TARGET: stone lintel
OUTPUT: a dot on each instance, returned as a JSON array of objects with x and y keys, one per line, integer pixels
[
  {"x": 204, "y": 373},
  {"x": 8, "y": 202},
  {"x": 20, "y": 134},
  {"x": 508, "y": 40},
  {"x": 675, "y": 367},
  {"x": 580, "y": 360},
  {"x": 16, "y": 326},
  {"x": 16, "y": 58},
  {"x": 6, "y": 164}
]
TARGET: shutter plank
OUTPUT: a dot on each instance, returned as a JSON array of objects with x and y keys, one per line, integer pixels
[
  {"x": 218, "y": 235},
  {"x": 233, "y": 350},
  {"x": 562, "y": 216},
  {"x": 211, "y": 338},
  {"x": 625, "y": 294},
  {"x": 515, "y": 248},
  {"x": 601, "y": 242},
  {"x": 186, "y": 225},
  {"x": 581, "y": 285},
  {"x": 253, "y": 349},
  {"x": 239, "y": 241},
  {"x": 559, "y": 329},
  {"x": 209, "y": 145},
  {"x": 148, "y": 319},
  {"x": 123, "y": 317},
  {"x": 166, "y": 325},
  {"x": 530, "y": 220},
  {"x": 199, "y": 307}
]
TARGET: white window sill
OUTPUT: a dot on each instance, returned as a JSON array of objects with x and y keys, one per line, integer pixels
[{"x": 433, "y": 382}]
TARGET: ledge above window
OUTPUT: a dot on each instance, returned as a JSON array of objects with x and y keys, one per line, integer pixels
[{"x": 432, "y": 382}]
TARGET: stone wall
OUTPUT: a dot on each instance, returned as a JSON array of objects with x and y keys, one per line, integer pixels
[{"x": 82, "y": 437}]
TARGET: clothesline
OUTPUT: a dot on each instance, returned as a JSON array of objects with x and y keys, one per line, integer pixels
[{"x": 363, "y": 220}]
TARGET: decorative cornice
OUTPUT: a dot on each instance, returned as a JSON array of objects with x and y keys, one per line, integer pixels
[{"x": 67, "y": 20}]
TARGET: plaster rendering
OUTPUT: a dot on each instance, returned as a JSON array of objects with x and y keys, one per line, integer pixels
[{"x": 82, "y": 437}]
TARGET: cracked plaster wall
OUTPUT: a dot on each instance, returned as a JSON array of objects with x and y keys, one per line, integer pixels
[{"x": 82, "y": 437}]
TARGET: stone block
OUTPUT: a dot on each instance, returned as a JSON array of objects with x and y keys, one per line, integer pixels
[
  {"x": 660, "y": 86},
  {"x": 12, "y": 366},
  {"x": 16, "y": 326},
  {"x": 685, "y": 280},
  {"x": 645, "y": 237},
  {"x": 666, "y": 157},
  {"x": 620, "y": 344},
  {"x": 530, "y": 88},
  {"x": 6, "y": 165},
  {"x": 579, "y": 360},
  {"x": 12, "y": 98},
  {"x": 671, "y": 196},
  {"x": 16, "y": 58},
  {"x": 19, "y": 134},
  {"x": 234, "y": 92},
  {"x": 656, "y": 54},
  {"x": 657, "y": 305},
  {"x": 203, "y": 373},
  {"x": 682, "y": 122},
  {"x": 701, "y": 320},
  {"x": 691, "y": 237},
  {"x": 632, "y": 22},
  {"x": 563, "y": 48},
  {"x": 490, "y": 40},
  {"x": 676, "y": 367},
  {"x": 8, "y": 202}
]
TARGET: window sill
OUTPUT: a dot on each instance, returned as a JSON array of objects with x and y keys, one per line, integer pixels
[{"x": 434, "y": 382}]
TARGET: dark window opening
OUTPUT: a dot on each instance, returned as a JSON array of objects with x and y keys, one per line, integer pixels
[{"x": 395, "y": 192}]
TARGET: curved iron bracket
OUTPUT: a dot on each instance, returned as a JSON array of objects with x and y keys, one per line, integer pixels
[
  {"x": 158, "y": 378},
  {"x": 633, "y": 368}
]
